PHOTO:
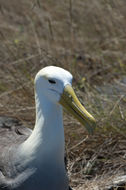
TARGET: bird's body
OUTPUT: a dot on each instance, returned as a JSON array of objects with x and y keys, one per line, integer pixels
[
  {"x": 17, "y": 172},
  {"x": 34, "y": 160}
]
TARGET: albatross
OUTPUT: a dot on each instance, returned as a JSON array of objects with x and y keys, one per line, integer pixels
[{"x": 34, "y": 160}]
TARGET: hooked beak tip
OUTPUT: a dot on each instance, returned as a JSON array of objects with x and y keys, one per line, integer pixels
[{"x": 70, "y": 101}]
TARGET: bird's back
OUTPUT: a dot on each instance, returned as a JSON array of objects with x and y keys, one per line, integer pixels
[{"x": 12, "y": 133}]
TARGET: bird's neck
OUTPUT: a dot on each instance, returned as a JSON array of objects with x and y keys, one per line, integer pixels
[{"x": 47, "y": 138}]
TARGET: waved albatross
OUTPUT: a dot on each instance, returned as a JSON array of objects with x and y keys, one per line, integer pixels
[{"x": 34, "y": 160}]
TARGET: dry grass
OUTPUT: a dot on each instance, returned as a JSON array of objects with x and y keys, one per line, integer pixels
[{"x": 89, "y": 39}]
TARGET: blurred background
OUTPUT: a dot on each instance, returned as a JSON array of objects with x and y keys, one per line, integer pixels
[{"x": 88, "y": 38}]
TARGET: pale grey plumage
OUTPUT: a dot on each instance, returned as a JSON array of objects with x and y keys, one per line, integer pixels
[
  {"x": 12, "y": 134},
  {"x": 17, "y": 177}
]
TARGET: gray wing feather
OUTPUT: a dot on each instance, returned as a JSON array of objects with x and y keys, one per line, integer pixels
[{"x": 12, "y": 133}]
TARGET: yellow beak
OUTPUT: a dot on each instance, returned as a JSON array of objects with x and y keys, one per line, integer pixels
[{"x": 70, "y": 101}]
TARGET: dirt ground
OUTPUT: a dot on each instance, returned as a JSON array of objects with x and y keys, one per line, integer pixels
[{"x": 88, "y": 38}]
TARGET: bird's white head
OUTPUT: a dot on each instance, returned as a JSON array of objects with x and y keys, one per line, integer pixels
[
  {"x": 55, "y": 84},
  {"x": 51, "y": 81}
]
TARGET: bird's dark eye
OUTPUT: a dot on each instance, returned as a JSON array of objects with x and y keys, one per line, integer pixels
[{"x": 52, "y": 81}]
